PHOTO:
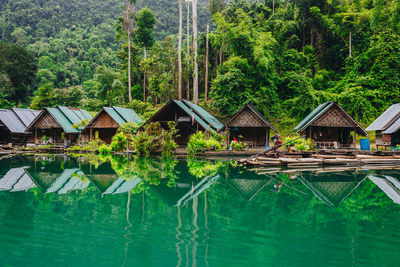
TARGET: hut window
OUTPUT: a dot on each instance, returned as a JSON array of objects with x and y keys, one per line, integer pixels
[{"x": 184, "y": 119}]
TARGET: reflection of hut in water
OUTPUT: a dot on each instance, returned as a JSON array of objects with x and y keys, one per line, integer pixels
[
  {"x": 189, "y": 117},
  {"x": 248, "y": 183},
  {"x": 389, "y": 184},
  {"x": 250, "y": 126},
  {"x": 107, "y": 181},
  {"x": 249, "y": 188},
  {"x": 332, "y": 187},
  {"x": 329, "y": 125},
  {"x": 16, "y": 180},
  {"x": 62, "y": 183},
  {"x": 187, "y": 187},
  {"x": 54, "y": 175}
]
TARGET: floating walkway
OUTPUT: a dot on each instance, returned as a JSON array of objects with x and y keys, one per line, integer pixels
[{"x": 325, "y": 158}]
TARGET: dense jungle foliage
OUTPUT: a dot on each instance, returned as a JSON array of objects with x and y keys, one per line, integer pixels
[{"x": 284, "y": 56}]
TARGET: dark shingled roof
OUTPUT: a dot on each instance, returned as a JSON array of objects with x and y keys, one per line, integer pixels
[{"x": 16, "y": 120}]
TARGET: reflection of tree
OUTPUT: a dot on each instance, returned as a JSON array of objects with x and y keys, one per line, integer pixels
[{"x": 202, "y": 167}]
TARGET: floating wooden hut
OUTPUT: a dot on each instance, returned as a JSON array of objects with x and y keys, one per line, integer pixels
[
  {"x": 250, "y": 126},
  {"x": 189, "y": 117},
  {"x": 60, "y": 125},
  {"x": 387, "y": 127},
  {"x": 106, "y": 123},
  {"x": 329, "y": 126},
  {"x": 13, "y": 124}
]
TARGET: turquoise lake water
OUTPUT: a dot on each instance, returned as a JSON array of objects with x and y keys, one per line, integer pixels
[{"x": 91, "y": 211}]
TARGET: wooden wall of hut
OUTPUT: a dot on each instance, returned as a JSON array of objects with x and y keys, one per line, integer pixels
[
  {"x": 104, "y": 127},
  {"x": 329, "y": 134},
  {"x": 256, "y": 136}
]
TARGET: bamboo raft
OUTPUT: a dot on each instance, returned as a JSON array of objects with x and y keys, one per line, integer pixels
[{"x": 324, "y": 158}]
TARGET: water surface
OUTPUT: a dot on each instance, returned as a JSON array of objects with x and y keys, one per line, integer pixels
[{"x": 93, "y": 211}]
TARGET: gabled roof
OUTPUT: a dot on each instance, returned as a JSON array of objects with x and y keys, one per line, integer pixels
[
  {"x": 66, "y": 117},
  {"x": 119, "y": 115},
  {"x": 387, "y": 119},
  {"x": 17, "y": 119},
  {"x": 205, "y": 119},
  {"x": 321, "y": 110},
  {"x": 204, "y": 115},
  {"x": 256, "y": 113}
]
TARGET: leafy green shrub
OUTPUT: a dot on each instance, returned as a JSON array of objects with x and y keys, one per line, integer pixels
[
  {"x": 300, "y": 144},
  {"x": 199, "y": 142},
  {"x": 104, "y": 150},
  {"x": 237, "y": 146},
  {"x": 119, "y": 142}
]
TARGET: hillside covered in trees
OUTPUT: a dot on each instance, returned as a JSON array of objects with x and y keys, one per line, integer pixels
[{"x": 284, "y": 56}]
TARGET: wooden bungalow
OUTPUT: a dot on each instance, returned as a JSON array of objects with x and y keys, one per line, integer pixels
[
  {"x": 106, "y": 123},
  {"x": 189, "y": 117},
  {"x": 59, "y": 122},
  {"x": 387, "y": 127},
  {"x": 329, "y": 126},
  {"x": 13, "y": 124},
  {"x": 250, "y": 126}
]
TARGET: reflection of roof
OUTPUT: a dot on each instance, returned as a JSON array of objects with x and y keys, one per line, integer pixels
[
  {"x": 119, "y": 115},
  {"x": 256, "y": 113},
  {"x": 332, "y": 188},
  {"x": 386, "y": 119},
  {"x": 17, "y": 119},
  {"x": 16, "y": 180},
  {"x": 68, "y": 180},
  {"x": 389, "y": 185},
  {"x": 321, "y": 110},
  {"x": 205, "y": 119},
  {"x": 248, "y": 188},
  {"x": 122, "y": 185},
  {"x": 66, "y": 117}
]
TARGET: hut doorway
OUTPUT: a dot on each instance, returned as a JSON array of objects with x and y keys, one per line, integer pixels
[{"x": 5, "y": 136}]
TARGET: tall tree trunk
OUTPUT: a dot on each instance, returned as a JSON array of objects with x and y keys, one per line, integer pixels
[
  {"x": 350, "y": 43},
  {"x": 188, "y": 51},
  {"x": 206, "y": 75},
  {"x": 144, "y": 77},
  {"x": 195, "y": 66},
  {"x": 180, "y": 91},
  {"x": 129, "y": 67},
  {"x": 273, "y": 6}
]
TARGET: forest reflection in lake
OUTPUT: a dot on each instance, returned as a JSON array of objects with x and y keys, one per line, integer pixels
[{"x": 206, "y": 212}]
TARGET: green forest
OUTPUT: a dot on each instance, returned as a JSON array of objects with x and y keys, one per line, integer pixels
[{"x": 284, "y": 56}]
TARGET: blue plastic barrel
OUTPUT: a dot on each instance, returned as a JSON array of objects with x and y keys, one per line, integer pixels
[{"x": 364, "y": 144}]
